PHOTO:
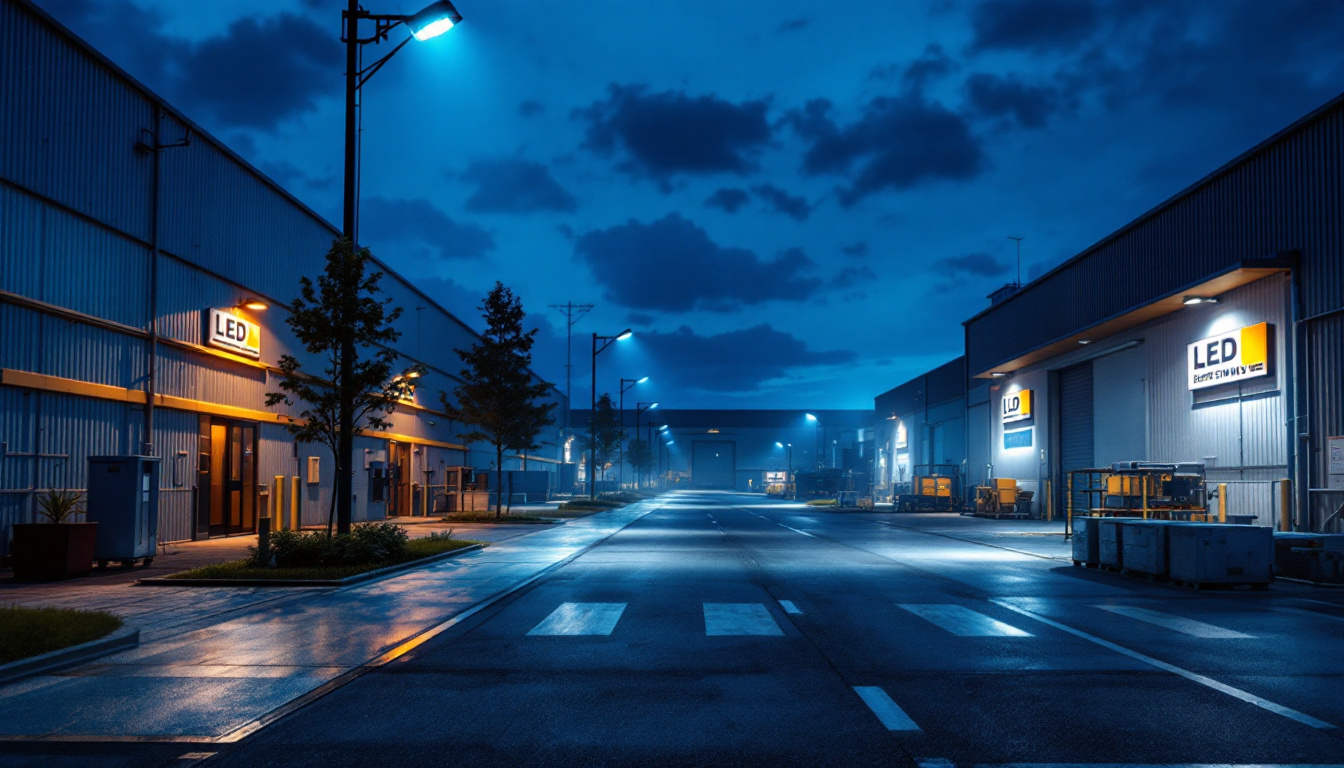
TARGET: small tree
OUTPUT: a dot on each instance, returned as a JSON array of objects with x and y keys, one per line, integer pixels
[
  {"x": 604, "y": 435},
  {"x": 341, "y": 321},
  {"x": 640, "y": 456},
  {"x": 498, "y": 397}
]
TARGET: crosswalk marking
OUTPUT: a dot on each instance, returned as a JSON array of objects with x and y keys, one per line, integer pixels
[
  {"x": 723, "y": 619},
  {"x": 1176, "y": 623},
  {"x": 581, "y": 619},
  {"x": 962, "y": 621},
  {"x": 789, "y": 607},
  {"x": 887, "y": 711}
]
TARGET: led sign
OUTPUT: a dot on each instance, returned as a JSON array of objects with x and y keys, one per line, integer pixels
[
  {"x": 228, "y": 331},
  {"x": 1229, "y": 357},
  {"x": 1016, "y": 406},
  {"x": 1017, "y": 438}
]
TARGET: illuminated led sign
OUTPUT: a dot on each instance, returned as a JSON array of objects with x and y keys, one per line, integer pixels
[
  {"x": 1018, "y": 438},
  {"x": 233, "y": 333},
  {"x": 1229, "y": 357},
  {"x": 1016, "y": 406}
]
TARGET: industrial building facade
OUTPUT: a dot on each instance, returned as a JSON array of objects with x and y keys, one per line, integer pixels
[
  {"x": 131, "y": 244},
  {"x": 922, "y": 422},
  {"x": 1210, "y": 330}
]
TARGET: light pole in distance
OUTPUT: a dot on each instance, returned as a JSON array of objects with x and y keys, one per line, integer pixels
[
  {"x": 626, "y": 385},
  {"x": 600, "y": 344}
]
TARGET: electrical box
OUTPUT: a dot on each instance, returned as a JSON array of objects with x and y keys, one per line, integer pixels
[
  {"x": 124, "y": 501},
  {"x": 314, "y": 470},
  {"x": 378, "y": 479},
  {"x": 1336, "y": 468}
]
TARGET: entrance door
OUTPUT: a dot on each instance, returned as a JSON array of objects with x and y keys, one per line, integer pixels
[
  {"x": 399, "y": 477},
  {"x": 232, "y": 477}
]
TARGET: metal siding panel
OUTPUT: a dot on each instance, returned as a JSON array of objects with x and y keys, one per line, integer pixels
[
  {"x": 20, "y": 242},
  {"x": 1076, "y": 434},
  {"x": 88, "y": 353},
  {"x": 175, "y": 433},
  {"x": 92, "y": 270}
]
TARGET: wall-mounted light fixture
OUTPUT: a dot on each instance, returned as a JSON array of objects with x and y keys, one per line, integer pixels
[
  {"x": 1190, "y": 301},
  {"x": 1084, "y": 342},
  {"x": 998, "y": 374},
  {"x": 253, "y": 303}
]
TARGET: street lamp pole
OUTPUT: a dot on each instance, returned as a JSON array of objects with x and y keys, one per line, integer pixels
[
  {"x": 606, "y": 341},
  {"x": 639, "y": 409},
  {"x": 816, "y": 441},
  {"x": 431, "y": 21},
  {"x": 626, "y": 385}
]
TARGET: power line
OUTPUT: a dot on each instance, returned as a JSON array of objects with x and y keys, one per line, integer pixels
[{"x": 572, "y": 313}]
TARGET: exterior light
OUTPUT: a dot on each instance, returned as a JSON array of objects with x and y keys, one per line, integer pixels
[
  {"x": 810, "y": 417},
  {"x": 998, "y": 374},
  {"x": 252, "y": 302},
  {"x": 655, "y": 405},
  {"x": 641, "y": 381},
  {"x": 433, "y": 20},
  {"x": 1192, "y": 300},
  {"x": 1084, "y": 341},
  {"x": 623, "y": 335}
]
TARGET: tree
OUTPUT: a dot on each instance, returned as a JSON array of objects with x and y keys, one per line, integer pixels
[
  {"x": 341, "y": 320},
  {"x": 498, "y": 396},
  {"x": 606, "y": 434},
  {"x": 640, "y": 456}
]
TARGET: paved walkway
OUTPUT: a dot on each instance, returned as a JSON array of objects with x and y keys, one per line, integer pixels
[{"x": 204, "y": 676}]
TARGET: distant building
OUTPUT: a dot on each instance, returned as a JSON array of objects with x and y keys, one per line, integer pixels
[
  {"x": 921, "y": 422},
  {"x": 130, "y": 241}
]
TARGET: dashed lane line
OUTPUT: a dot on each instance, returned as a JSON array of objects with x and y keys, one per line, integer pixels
[
  {"x": 888, "y": 712},
  {"x": 580, "y": 619},
  {"x": 733, "y": 619},
  {"x": 1237, "y": 693},
  {"x": 962, "y": 621},
  {"x": 790, "y": 608}
]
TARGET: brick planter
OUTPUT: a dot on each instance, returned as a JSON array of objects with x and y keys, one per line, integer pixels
[{"x": 51, "y": 551}]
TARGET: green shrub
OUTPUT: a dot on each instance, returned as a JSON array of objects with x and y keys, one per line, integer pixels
[
  {"x": 366, "y": 543},
  {"x": 59, "y": 506}
]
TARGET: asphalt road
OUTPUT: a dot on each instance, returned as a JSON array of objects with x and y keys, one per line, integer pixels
[{"x": 729, "y": 630}]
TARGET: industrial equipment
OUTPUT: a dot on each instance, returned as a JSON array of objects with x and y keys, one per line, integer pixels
[
  {"x": 933, "y": 488},
  {"x": 1148, "y": 490},
  {"x": 124, "y": 501},
  {"x": 1002, "y": 498}
]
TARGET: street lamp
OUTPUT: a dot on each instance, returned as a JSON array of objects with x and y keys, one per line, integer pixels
[
  {"x": 639, "y": 409},
  {"x": 816, "y": 440},
  {"x": 433, "y": 20},
  {"x": 605, "y": 341},
  {"x": 626, "y": 386},
  {"x": 789, "y": 473}
]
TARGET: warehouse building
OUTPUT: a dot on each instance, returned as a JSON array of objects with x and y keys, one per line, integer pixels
[
  {"x": 922, "y": 422},
  {"x": 145, "y": 271},
  {"x": 1209, "y": 330}
]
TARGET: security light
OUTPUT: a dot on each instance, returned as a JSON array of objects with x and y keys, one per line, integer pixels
[
  {"x": 1192, "y": 300},
  {"x": 433, "y": 20},
  {"x": 1084, "y": 342},
  {"x": 252, "y": 302},
  {"x": 998, "y": 374},
  {"x": 810, "y": 417}
]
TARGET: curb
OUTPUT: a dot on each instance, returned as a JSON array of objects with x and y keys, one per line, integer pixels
[
  {"x": 355, "y": 579},
  {"x": 121, "y": 639}
]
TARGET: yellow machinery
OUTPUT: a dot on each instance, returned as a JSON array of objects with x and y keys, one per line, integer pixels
[
  {"x": 1002, "y": 498},
  {"x": 933, "y": 488},
  {"x": 1138, "y": 489}
]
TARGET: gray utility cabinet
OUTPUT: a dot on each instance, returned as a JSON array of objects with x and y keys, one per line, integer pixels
[
  {"x": 1110, "y": 538},
  {"x": 124, "y": 501},
  {"x": 1214, "y": 553},
  {"x": 1144, "y": 545},
  {"x": 1085, "y": 540}
]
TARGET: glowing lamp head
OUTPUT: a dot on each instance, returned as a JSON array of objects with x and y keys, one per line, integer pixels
[
  {"x": 623, "y": 335},
  {"x": 810, "y": 417},
  {"x": 641, "y": 381},
  {"x": 652, "y": 406},
  {"x": 778, "y": 444},
  {"x": 1192, "y": 300},
  {"x": 253, "y": 303},
  {"x": 433, "y": 20}
]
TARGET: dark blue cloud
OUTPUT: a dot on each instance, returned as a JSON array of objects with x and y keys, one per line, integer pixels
[
  {"x": 1008, "y": 97},
  {"x": 857, "y": 250},
  {"x": 693, "y": 271},
  {"x": 897, "y": 143},
  {"x": 515, "y": 185},
  {"x": 417, "y": 229},
  {"x": 665, "y": 134},
  {"x": 933, "y": 64},
  {"x": 853, "y": 276},
  {"x": 793, "y": 206},
  {"x": 1032, "y": 25},
  {"x": 530, "y": 108},
  {"x": 640, "y": 318},
  {"x": 727, "y": 198},
  {"x": 794, "y": 25},
  {"x": 979, "y": 264},
  {"x": 735, "y": 361}
]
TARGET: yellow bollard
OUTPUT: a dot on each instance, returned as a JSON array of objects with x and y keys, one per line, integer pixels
[
  {"x": 1222, "y": 502},
  {"x": 1285, "y": 505},
  {"x": 295, "y": 520},
  {"x": 277, "y": 510},
  {"x": 1068, "y": 507},
  {"x": 1049, "y": 502}
]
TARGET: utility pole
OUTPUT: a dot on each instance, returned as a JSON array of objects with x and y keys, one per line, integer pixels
[
  {"x": 572, "y": 313},
  {"x": 1019, "y": 258}
]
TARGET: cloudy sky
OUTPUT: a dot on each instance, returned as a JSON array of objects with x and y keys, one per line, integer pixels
[{"x": 793, "y": 204}]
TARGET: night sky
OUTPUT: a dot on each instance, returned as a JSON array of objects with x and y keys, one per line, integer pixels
[{"x": 793, "y": 204}]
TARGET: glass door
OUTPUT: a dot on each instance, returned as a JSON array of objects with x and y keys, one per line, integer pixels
[{"x": 233, "y": 478}]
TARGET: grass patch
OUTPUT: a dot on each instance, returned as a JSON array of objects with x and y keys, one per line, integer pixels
[
  {"x": 416, "y": 549},
  {"x": 28, "y": 632},
  {"x": 489, "y": 517}
]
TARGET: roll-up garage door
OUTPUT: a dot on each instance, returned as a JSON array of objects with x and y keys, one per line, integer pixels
[{"x": 1075, "y": 426}]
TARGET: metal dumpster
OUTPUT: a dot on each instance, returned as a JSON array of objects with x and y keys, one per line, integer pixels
[
  {"x": 124, "y": 500},
  {"x": 1214, "y": 553}
]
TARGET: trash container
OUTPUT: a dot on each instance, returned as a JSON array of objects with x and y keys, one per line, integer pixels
[{"x": 124, "y": 500}]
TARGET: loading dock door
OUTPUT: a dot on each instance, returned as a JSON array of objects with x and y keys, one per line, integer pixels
[
  {"x": 1075, "y": 427},
  {"x": 713, "y": 464}
]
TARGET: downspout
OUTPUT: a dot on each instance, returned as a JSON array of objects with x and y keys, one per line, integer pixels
[
  {"x": 1299, "y": 433},
  {"x": 152, "y": 343}
]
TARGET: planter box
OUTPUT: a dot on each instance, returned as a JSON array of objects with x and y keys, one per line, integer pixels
[{"x": 50, "y": 551}]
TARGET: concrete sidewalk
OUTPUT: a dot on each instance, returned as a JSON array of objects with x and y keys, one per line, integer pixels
[{"x": 218, "y": 679}]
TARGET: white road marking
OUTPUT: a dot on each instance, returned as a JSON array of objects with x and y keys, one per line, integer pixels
[
  {"x": 1155, "y": 765},
  {"x": 962, "y": 621},
  {"x": 724, "y": 619},
  {"x": 888, "y": 713},
  {"x": 1249, "y": 698},
  {"x": 1176, "y": 623},
  {"x": 789, "y": 607},
  {"x": 934, "y": 762},
  {"x": 581, "y": 619}
]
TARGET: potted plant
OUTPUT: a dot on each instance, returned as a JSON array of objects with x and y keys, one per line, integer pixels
[{"x": 57, "y": 548}]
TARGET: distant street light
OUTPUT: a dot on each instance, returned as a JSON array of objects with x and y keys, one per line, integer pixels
[
  {"x": 626, "y": 385},
  {"x": 605, "y": 341},
  {"x": 788, "y": 474},
  {"x": 817, "y": 437},
  {"x": 639, "y": 409}
]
